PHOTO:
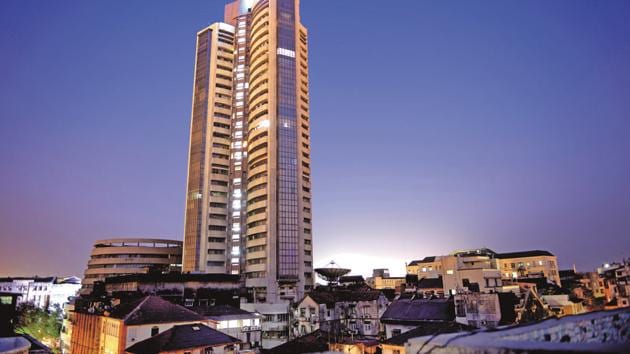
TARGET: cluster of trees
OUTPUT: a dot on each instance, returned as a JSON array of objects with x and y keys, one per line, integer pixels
[{"x": 45, "y": 326}]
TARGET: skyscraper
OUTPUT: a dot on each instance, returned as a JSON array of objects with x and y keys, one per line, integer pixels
[{"x": 248, "y": 204}]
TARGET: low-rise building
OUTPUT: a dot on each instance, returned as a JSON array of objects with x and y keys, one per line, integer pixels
[
  {"x": 561, "y": 305},
  {"x": 122, "y": 256},
  {"x": 43, "y": 292},
  {"x": 235, "y": 322},
  {"x": 396, "y": 344},
  {"x": 381, "y": 283},
  {"x": 187, "y": 339},
  {"x": 339, "y": 310},
  {"x": 483, "y": 270},
  {"x": 486, "y": 310},
  {"x": 529, "y": 264},
  {"x": 403, "y": 315},
  {"x": 429, "y": 287},
  {"x": 275, "y": 325},
  {"x": 110, "y": 331},
  {"x": 67, "y": 324},
  {"x": 596, "y": 332}
]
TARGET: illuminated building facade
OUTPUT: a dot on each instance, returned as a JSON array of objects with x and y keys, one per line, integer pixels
[{"x": 248, "y": 205}]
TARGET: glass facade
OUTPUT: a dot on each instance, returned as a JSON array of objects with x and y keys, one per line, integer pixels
[
  {"x": 197, "y": 154},
  {"x": 288, "y": 215}
]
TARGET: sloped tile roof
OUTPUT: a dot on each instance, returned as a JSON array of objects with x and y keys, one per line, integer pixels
[
  {"x": 426, "y": 329},
  {"x": 153, "y": 309},
  {"x": 182, "y": 337},
  {"x": 419, "y": 310}
]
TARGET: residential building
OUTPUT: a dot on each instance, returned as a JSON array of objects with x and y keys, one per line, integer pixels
[
  {"x": 380, "y": 272},
  {"x": 528, "y": 264},
  {"x": 396, "y": 344},
  {"x": 122, "y": 256},
  {"x": 111, "y": 330},
  {"x": 235, "y": 322},
  {"x": 43, "y": 292},
  {"x": 614, "y": 282},
  {"x": 248, "y": 198},
  {"x": 340, "y": 310},
  {"x": 388, "y": 283},
  {"x": 187, "y": 339},
  {"x": 485, "y": 310},
  {"x": 428, "y": 267},
  {"x": 429, "y": 287},
  {"x": 484, "y": 270},
  {"x": 354, "y": 345},
  {"x": 315, "y": 342},
  {"x": 403, "y": 315},
  {"x": 275, "y": 322},
  {"x": 596, "y": 332},
  {"x": 561, "y": 305}
]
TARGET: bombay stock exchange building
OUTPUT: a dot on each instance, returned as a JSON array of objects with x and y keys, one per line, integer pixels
[{"x": 248, "y": 202}]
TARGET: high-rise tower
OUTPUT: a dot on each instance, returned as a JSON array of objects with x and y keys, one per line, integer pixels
[{"x": 248, "y": 205}]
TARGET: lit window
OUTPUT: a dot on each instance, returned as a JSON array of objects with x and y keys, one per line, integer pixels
[
  {"x": 236, "y": 204},
  {"x": 237, "y": 180},
  {"x": 263, "y": 124},
  {"x": 286, "y": 52},
  {"x": 449, "y": 271}
]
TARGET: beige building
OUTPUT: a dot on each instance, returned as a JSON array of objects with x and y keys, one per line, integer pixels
[
  {"x": 529, "y": 264},
  {"x": 123, "y": 256},
  {"x": 483, "y": 270},
  {"x": 111, "y": 332},
  {"x": 388, "y": 283},
  {"x": 248, "y": 204}
]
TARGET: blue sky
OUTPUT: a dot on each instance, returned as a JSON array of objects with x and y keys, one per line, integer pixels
[{"x": 435, "y": 126}]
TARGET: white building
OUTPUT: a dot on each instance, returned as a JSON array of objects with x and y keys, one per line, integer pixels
[
  {"x": 358, "y": 311},
  {"x": 235, "y": 322},
  {"x": 45, "y": 293}
]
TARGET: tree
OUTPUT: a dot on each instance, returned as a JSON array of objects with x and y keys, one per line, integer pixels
[{"x": 45, "y": 326}]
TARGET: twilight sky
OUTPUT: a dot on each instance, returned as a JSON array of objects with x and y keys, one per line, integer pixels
[{"x": 435, "y": 126}]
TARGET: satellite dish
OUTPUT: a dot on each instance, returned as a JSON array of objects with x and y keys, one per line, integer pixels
[{"x": 332, "y": 272}]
